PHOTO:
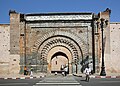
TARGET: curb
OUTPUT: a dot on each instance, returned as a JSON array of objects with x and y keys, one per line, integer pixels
[
  {"x": 105, "y": 76},
  {"x": 98, "y": 77},
  {"x": 23, "y": 77}
]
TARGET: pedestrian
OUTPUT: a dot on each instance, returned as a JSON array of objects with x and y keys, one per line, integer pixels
[
  {"x": 25, "y": 70},
  {"x": 31, "y": 71},
  {"x": 62, "y": 70},
  {"x": 55, "y": 73},
  {"x": 66, "y": 70},
  {"x": 62, "y": 67},
  {"x": 63, "y": 73},
  {"x": 87, "y": 73}
]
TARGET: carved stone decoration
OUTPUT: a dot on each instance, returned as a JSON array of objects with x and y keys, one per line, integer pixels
[
  {"x": 37, "y": 25},
  {"x": 59, "y": 17}
]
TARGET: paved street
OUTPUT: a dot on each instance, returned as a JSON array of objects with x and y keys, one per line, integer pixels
[
  {"x": 19, "y": 82},
  {"x": 99, "y": 81},
  {"x": 61, "y": 81}
]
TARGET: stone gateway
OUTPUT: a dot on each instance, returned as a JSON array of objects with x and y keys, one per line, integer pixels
[{"x": 46, "y": 42}]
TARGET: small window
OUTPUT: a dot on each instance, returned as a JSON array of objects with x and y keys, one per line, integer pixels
[
  {"x": 14, "y": 59},
  {"x": 56, "y": 62}
]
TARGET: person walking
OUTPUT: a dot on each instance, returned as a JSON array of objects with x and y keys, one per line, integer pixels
[
  {"x": 31, "y": 72},
  {"x": 87, "y": 73},
  {"x": 62, "y": 70},
  {"x": 66, "y": 70}
]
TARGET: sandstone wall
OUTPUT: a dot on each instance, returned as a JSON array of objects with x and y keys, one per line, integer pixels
[
  {"x": 114, "y": 60},
  {"x": 4, "y": 48},
  {"x": 8, "y": 63}
]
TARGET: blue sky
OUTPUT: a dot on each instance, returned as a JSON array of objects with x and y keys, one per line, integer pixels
[{"x": 40, "y": 6}]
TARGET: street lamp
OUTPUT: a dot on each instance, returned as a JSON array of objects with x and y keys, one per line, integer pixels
[
  {"x": 25, "y": 61},
  {"x": 103, "y": 73}
]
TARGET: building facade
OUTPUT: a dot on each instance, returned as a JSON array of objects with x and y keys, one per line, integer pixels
[{"x": 48, "y": 41}]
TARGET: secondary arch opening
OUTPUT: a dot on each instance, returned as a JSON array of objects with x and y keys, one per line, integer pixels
[{"x": 58, "y": 61}]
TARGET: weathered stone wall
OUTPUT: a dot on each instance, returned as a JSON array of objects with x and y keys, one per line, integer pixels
[
  {"x": 4, "y": 48},
  {"x": 8, "y": 63},
  {"x": 14, "y": 33},
  {"x": 113, "y": 64},
  {"x": 14, "y": 64}
]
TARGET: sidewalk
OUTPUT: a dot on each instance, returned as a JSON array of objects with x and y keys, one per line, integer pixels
[
  {"x": 108, "y": 75},
  {"x": 21, "y": 76},
  {"x": 41, "y": 75}
]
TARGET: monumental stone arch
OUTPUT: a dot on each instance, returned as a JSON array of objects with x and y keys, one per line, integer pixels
[
  {"x": 46, "y": 41},
  {"x": 49, "y": 41},
  {"x": 65, "y": 46}
]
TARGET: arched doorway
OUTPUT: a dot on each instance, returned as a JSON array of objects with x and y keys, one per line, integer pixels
[
  {"x": 59, "y": 56},
  {"x": 58, "y": 60},
  {"x": 48, "y": 52}
]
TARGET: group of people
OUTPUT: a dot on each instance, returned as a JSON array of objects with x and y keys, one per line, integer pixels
[
  {"x": 87, "y": 71},
  {"x": 28, "y": 72},
  {"x": 64, "y": 70}
]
